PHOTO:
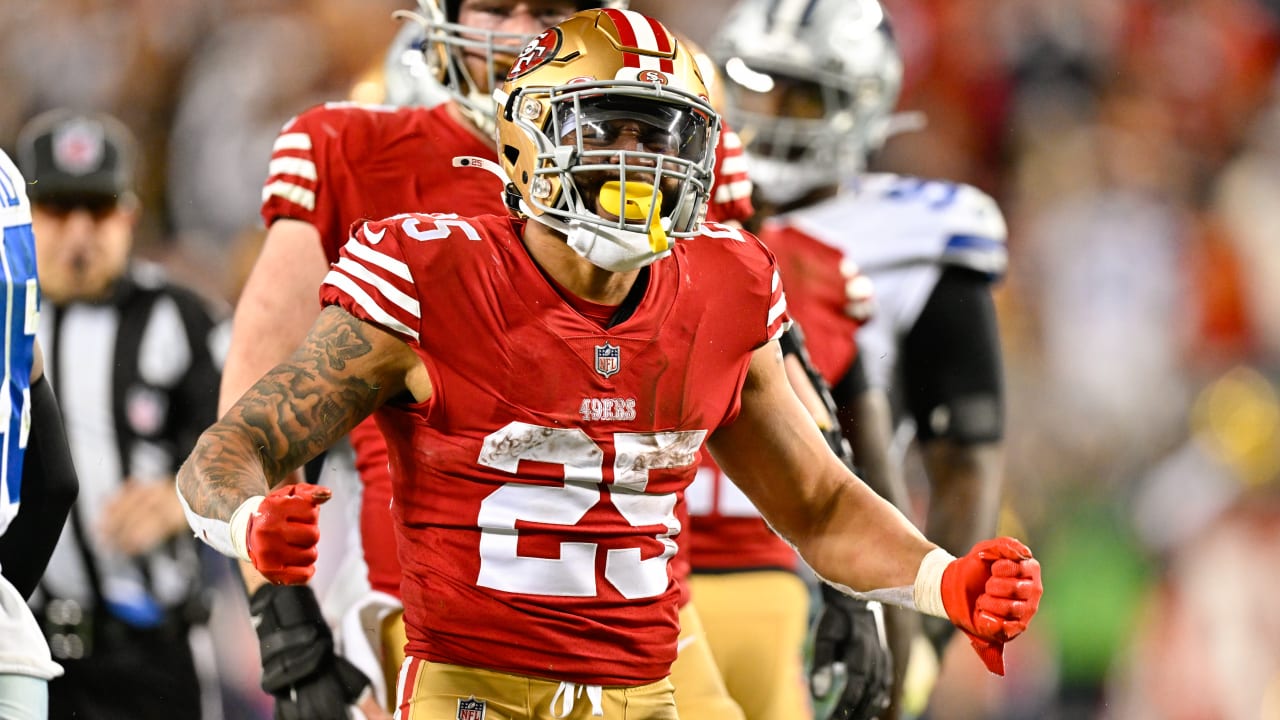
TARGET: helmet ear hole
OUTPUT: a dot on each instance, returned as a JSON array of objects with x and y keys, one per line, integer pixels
[
  {"x": 511, "y": 195},
  {"x": 511, "y": 153}
]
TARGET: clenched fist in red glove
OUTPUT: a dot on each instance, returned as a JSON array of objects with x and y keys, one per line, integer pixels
[
  {"x": 991, "y": 594},
  {"x": 281, "y": 532}
]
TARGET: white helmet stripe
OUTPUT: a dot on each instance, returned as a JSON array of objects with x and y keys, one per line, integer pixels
[
  {"x": 645, "y": 38},
  {"x": 645, "y": 34}
]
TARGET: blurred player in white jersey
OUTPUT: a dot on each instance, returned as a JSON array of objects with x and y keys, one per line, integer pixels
[
  {"x": 37, "y": 481},
  {"x": 812, "y": 85}
]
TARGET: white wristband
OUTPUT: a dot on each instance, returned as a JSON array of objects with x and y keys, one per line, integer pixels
[
  {"x": 228, "y": 538},
  {"x": 239, "y": 527},
  {"x": 928, "y": 587}
]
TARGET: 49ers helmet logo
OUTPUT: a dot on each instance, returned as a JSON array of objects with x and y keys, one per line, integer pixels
[
  {"x": 540, "y": 51},
  {"x": 652, "y": 76}
]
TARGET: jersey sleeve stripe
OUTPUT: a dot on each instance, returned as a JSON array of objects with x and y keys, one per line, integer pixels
[
  {"x": 778, "y": 332},
  {"x": 734, "y": 164},
  {"x": 981, "y": 253},
  {"x": 778, "y": 308},
  {"x": 375, "y": 312},
  {"x": 291, "y": 141},
  {"x": 730, "y": 141},
  {"x": 369, "y": 255},
  {"x": 291, "y": 192},
  {"x": 389, "y": 291},
  {"x": 733, "y": 191},
  {"x": 777, "y": 320},
  {"x": 289, "y": 165}
]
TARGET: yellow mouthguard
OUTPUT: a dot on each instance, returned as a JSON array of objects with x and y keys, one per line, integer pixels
[{"x": 640, "y": 197}]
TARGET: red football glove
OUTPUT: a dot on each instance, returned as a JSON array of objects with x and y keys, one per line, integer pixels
[
  {"x": 991, "y": 594},
  {"x": 282, "y": 534}
]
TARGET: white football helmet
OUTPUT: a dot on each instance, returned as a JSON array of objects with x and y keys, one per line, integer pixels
[
  {"x": 842, "y": 53},
  {"x": 408, "y": 80},
  {"x": 426, "y": 64},
  {"x": 568, "y": 95}
]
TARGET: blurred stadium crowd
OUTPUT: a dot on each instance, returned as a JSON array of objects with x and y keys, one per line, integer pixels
[{"x": 1134, "y": 146}]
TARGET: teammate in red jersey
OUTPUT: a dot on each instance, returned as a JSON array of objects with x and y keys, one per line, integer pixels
[{"x": 545, "y": 386}]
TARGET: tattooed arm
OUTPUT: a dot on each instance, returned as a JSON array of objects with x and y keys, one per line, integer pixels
[{"x": 343, "y": 371}]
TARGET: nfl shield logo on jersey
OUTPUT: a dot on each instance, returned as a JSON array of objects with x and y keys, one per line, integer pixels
[
  {"x": 608, "y": 359},
  {"x": 471, "y": 709}
]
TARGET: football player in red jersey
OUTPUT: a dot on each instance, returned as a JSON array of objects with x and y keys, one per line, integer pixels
[
  {"x": 341, "y": 162},
  {"x": 814, "y": 85},
  {"x": 332, "y": 165},
  {"x": 545, "y": 384}
]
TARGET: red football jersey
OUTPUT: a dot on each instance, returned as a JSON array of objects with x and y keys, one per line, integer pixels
[
  {"x": 536, "y": 492},
  {"x": 727, "y": 533},
  {"x": 731, "y": 192},
  {"x": 816, "y": 297},
  {"x": 340, "y": 163}
]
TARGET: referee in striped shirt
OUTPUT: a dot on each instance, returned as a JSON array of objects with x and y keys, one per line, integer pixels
[{"x": 137, "y": 381}]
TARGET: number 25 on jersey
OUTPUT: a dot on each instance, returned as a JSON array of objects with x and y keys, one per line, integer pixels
[{"x": 573, "y": 574}]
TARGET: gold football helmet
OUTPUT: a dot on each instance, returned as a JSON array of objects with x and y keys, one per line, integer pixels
[{"x": 570, "y": 96}]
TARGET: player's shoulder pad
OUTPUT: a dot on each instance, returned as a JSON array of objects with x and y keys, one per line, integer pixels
[
  {"x": 15, "y": 207},
  {"x": 728, "y": 241},
  {"x": 388, "y": 267},
  {"x": 956, "y": 207},
  {"x": 337, "y": 112},
  {"x": 726, "y": 237},
  {"x": 345, "y": 125},
  {"x": 427, "y": 226},
  {"x": 967, "y": 222},
  {"x": 720, "y": 253},
  {"x": 422, "y": 235}
]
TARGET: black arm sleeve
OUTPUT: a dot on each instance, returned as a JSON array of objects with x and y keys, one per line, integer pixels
[
  {"x": 49, "y": 489},
  {"x": 952, "y": 375},
  {"x": 853, "y": 384}
]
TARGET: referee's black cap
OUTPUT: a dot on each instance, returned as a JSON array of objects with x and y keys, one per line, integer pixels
[{"x": 70, "y": 155}]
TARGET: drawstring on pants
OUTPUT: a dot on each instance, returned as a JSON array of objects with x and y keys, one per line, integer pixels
[{"x": 568, "y": 691}]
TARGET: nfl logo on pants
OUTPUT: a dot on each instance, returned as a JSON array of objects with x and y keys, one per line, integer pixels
[{"x": 472, "y": 709}]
